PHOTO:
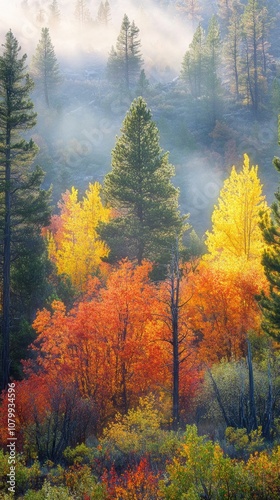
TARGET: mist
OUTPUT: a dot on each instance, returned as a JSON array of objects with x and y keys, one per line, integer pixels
[{"x": 77, "y": 132}]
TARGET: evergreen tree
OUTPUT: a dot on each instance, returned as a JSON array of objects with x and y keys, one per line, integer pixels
[
  {"x": 270, "y": 302},
  {"x": 254, "y": 53},
  {"x": 143, "y": 85},
  {"x": 212, "y": 81},
  {"x": 104, "y": 13},
  {"x": 54, "y": 14},
  {"x": 23, "y": 206},
  {"x": 191, "y": 8},
  {"x": 194, "y": 64},
  {"x": 124, "y": 63},
  {"x": 82, "y": 13},
  {"x": 45, "y": 65},
  {"x": 232, "y": 49},
  {"x": 139, "y": 190}
]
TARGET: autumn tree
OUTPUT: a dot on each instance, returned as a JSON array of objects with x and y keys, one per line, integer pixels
[
  {"x": 73, "y": 242},
  {"x": 45, "y": 65},
  {"x": 236, "y": 236},
  {"x": 107, "y": 342},
  {"x": 125, "y": 61},
  {"x": 24, "y": 206},
  {"x": 139, "y": 190},
  {"x": 224, "y": 309}
]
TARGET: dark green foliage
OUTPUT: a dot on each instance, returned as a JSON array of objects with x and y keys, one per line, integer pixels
[
  {"x": 270, "y": 303},
  {"x": 24, "y": 207},
  {"x": 143, "y": 85},
  {"x": 139, "y": 190}
]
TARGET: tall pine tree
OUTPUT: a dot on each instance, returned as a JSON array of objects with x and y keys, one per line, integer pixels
[
  {"x": 45, "y": 65},
  {"x": 125, "y": 61},
  {"x": 23, "y": 205},
  {"x": 139, "y": 190},
  {"x": 270, "y": 302}
]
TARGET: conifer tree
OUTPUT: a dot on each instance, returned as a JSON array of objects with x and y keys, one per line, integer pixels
[
  {"x": 54, "y": 14},
  {"x": 45, "y": 65},
  {"x": 191, "y": 8},
  {"x": 125, "y": 61},
  {"x": 255, "y": 22},
  {"x": 82, "y": 13},
  {"x": 143, "y": 85},
  {"x": 232, "y": 49},
  {"x": 139, "y": 190},
  {"x": 104, "y": 13},
  {"x": 194, "y": 64},
  {"x": 270, "y": 302},
  {"x": 23, "y": 205},
  {"x": 212, "y": 81}
]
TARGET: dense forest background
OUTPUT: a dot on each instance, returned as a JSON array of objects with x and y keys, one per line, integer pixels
[{"x": 77, "y": 131}]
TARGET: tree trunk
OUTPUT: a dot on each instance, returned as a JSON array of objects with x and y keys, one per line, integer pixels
[
  {"x": 174, "y": 303},
  {"x": 219, "y": 399},
  {"x": 268, "y": 415},
  {"x": 252, "y": 407},
  {"x": 7, "y": 267}
]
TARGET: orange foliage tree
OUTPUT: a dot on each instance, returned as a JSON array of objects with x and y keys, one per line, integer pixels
[
  {"x": 106, "y": 344},
  {"x": 223, "y": 310}
]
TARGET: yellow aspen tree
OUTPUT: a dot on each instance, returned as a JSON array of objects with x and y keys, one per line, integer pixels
[
  {"x": 236, "y": 238},
  {"x": 73, "y": 243}
]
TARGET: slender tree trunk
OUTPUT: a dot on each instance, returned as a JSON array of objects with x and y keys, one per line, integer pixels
[
  {"x": 7, "y": 267},
  {"x": 252, "y": 406},
  {"x": 175, "y": 291},
  {"x": 268, "y": 415},
  {"x": 126, "y": 62},
  {"x": 219, "y": 399},
  {"x": 45, "y": 80}
]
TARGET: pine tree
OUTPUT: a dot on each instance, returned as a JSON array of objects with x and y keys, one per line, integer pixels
[
  {"x": 194, "y": 64},
  {"x": 191, "y": 8},
  {"x": 212, "y": 81},
  {"x": 139, "y": 190},
  {"x": 124, "y": 63},
  {"x": 54, "y": 14},
  {"x": 23, "y": 206},
  {"x": 255, "y": 27},
  {"x": 143, "y": 85},
  {"x": 270, "y": 302},
  {"x": 82, "y": 13},
  {"x": 104, "y": 13},
  {"x": 45, "y": 65},
  {"x": 232, "y": 50}
]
